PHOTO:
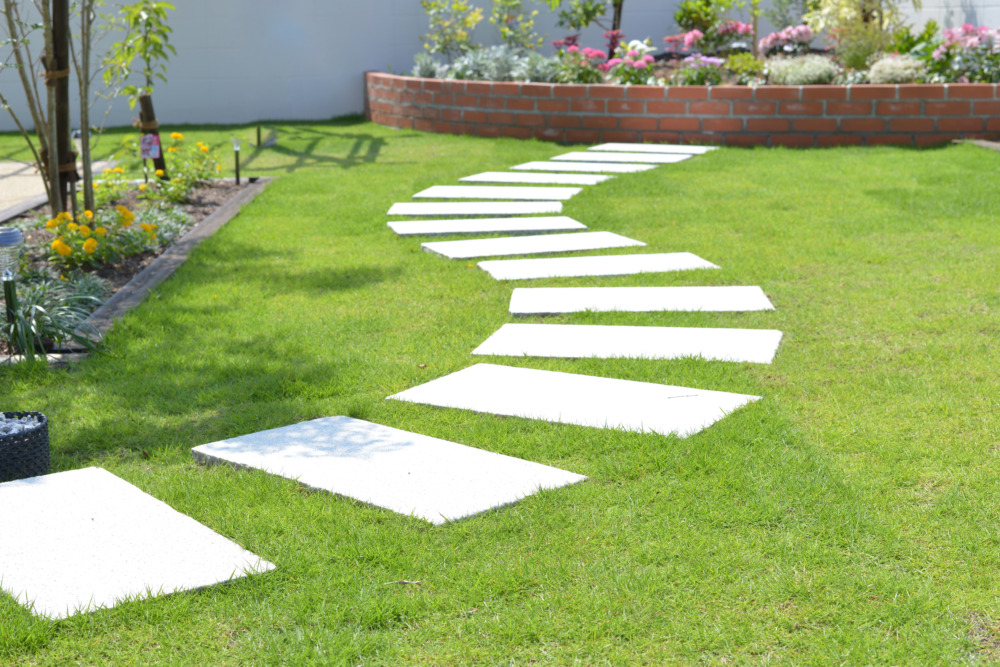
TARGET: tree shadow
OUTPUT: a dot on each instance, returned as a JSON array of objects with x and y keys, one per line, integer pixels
[{"x": 364, "y": 149}]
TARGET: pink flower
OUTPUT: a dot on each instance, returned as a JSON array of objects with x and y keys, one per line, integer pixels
[
  {"x": 639, "y": 64},
  {"x": 648, "y": 58},
  {"x": 632, "y": 54},
  {"x": 573, "y": 49},
  {"x": 692, "y": 38},
  {"x": 614, "y": 62}
]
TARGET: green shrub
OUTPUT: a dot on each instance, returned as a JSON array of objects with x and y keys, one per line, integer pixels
[
  {"x": 858, "y": 43},
  {"x": 747, "y": 67},
  {"x": 895, "y": 68},
  {"x": 800, "y": 71}
]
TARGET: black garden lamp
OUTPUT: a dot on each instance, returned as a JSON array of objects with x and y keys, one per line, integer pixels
[
  {"x": 11, "y": 240},
  {"x": 236, "y": 152}
]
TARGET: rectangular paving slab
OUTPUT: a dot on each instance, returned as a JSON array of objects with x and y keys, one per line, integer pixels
[
  {"x": 677, "y": 149},
  {"x": 416, "y": 475},
  {"x": 548, "y": 179},
  {"x": 525, "y": 224},
  {"x": 585, "y": 400},
  {"x": 528, "y": 245},
  {"x": 601, "y": 265},
  {"x": 496, "y": 192},
  {"x": 584, "y": 167},
  {"x": 608, "y": 342},
  {"x": 85, "y": 539},
  {"x": 598, "y": 156},
  {"x": 475, "y": 208},
  {"x": 552, "y": 300}
]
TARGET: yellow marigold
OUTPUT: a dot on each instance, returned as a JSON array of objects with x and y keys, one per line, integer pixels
[
  {"x": 177, "y": 136},
  {"x": 218, "y": 168},
  {"x": 204, "y": 149},
  {"x": 72, "y": 226},
  {"x": 89, "y": 246},
  {"x": 61, "y": 248},
  {"x": 118, "y": 170},
  {"x": 198, "y": 144},
  {"x": 101, "y": 231},
  {"x": 64, "y": 216},
  {"x": 148, "y": 228},
  {"x": 108, "y": 170},
  {"x": 52, "y": 224},
  {"x": 142, "y": 186},
  {"x": 171, "y": 149},
  {"x": 159, "y": 172},
  {"x": 126, "y": 216},
  {"x": 84, "y": 231},
  {"x": 89, "y": 215}
]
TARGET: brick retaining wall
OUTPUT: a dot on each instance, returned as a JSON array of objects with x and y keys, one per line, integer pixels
[{"x": 805, "y": 116}]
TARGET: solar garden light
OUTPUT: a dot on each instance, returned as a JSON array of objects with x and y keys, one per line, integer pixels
[
  {"x": 236, "y": 152},
  {"x": 11, "y": 240}
]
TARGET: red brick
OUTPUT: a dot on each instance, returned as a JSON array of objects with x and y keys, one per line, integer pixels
[
  {"x": 553, "y": 105},
  {"x": 588, "y": 106},
  {"x": 569, "y": 90},
  {"x": 986, "y": 108},
  {"x": 679, "y": 124},
  {"x": 933, "y": 139},
  {"x": 696, "y": 138},
  {"x": 626, "y": 106},
  {"x": 466, "y": 100},
  {"x": 638, "y": 123},
  {"x": 753, "y": 108},
  {"x": 430, "y": 113},
  {"x": 479, "y": 87},
  {"x": 537, "y": 89},
  {"x": 746, "y": 140},
  {"x": 440, "y": 126},
  {"x": 911, "y": 124},
  {"x": 947, "y": 108},
  {"x": 564, "y": 121},
  {"x": 867, "y": 92},
  {"x": 666, "y": 107},
  {"x": 619, "y": 135},
  {"x": 603, "y": 90},
  {"x": 520, "y": 104},
  {"x": 687, "y": 93},
  {"x": 463, "y": 128},
  {"x": 645, "y": 92},
  {"x": 491, "y": 102},
  {"x": 897, "y": 108},
  {"x": 601, "y": 122},
  {"x": 397, "y": 83},
  {"x": 532, "y": 119},
  {"x": 548, "y": 134},
  {"x": 407, "y": 96},
  {"x": 454, "y": 87},
  {"x": 921, "y": 91},
  {"x": 506, "y": 89},
  {"x": 517, "y": 132},
  {"x": 801, "y": 108},
  {"x": 848, "y": 108},
  {"x": 422, "y": 125},
  {"x": 444, "y": 98},
  {"x": 824, "y": 93},
  {"x": 500, "y": 118},
  {"x": 423, "y": 97},
  {"x": 814, "y": 124},
  {"x": 451, "y": 114},
  {"x": 709, "y": 108},
  {"x": 827, "y": 140},
  {"x": 777, "y": 93},
  {"x": 767, "y": 124},
  {"x": 960, "y": 124},
  {"x": 993, "y": 124},
  {"x": 731, "y": 93},
  {"x": 488, "y": 130},
  {"x": 582, "y": 136},
  {"x": 722, "y": 125},
  {"x": 661, "y": 137},
  {"x": 862, "y": 125},
  {"x": 470, "y": 116},
  {"x": 883, "y": 139},
  {"x": 433, "y": 85},
  {"x": 793, "y": 140},
  {"x": 413, "y": 84},
  {"x": 964, "y": 91}
]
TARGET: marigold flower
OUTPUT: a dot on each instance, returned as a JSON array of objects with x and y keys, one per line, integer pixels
[
  {"x": 177, "y": 136},
  {"x": 89, "y": 246},
  {"x": 84, "y": 231},
  {"x": 159, "y": 172},
  {"x": 204, "y": 149},
  {"x": 172, "y": 149},
  {"x": 101, "y": 231},
  {"x": 61, "y": 248},
  {"x": 72, "y": 226},
  {"x": 142, "y": 186},
  {"x": 89, "y": 215},
  {"x": 118, "y": 170},
  {"x": 64, "y": 216},
  {"x": 107, "y": 170},
  {"x": 52, "y": 224}
]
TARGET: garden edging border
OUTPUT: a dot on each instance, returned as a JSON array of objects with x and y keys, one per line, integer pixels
[{"x": 798, "y": 116}]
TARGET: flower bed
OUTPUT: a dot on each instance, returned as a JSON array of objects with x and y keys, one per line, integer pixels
[{"x": 803, "y": 116}]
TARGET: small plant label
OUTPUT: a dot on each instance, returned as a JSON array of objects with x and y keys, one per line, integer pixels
[{"x": 149, "y": 147}]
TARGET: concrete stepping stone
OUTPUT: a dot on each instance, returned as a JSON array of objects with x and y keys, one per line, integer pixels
[
  {"x": 607, "y": 342},
  {"x": 86, "y": 539},
  {"x": 678, "y": 149},
  {"x": 584, "y": 167},
  {"x": 528, "y": 245},
  {"x": 603, "y": 265},
  {"x": 585, "y": 400},
  {"x": 475, "y": 208},
  {"x": 526, "y": 224},
  {"x": 496, "y": 192},
  {"x": 548, "y": 179},
  {"x": 416, "y": 475},
  {"x": 597, "y": 156},
  {"x": 552, "y": 300}
]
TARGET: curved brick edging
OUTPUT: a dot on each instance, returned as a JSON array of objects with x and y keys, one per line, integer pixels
[{"x": 805, "y": 116}]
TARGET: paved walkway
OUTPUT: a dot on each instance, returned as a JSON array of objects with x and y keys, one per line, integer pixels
[{"x": 21, "y": 182}]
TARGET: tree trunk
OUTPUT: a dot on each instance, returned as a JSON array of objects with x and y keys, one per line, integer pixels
[
  {"x": 147, "y": 118},
  {"x": 65, "y": 158},
  {"x": 616, "y": 21},
  {"x": 86, "y": 27}
]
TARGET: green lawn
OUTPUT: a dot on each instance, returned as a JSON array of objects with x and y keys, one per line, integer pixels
[{"x": 849, "y": 517}]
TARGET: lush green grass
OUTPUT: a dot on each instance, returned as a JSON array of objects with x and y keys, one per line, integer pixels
[{"x": 850, "y": 516}]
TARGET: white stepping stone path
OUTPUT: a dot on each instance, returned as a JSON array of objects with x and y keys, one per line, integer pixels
[
  {"x": 540, "y": 179},
  {"x": 651, "y": 158},
  {"x": 475, "y": 208},
  {"x": 496, "y": 192},
  {"x": 524, "y": 225},
  {"x": 86, "y": 539},
  {"x": 527, "y": 245},
  {"x": 585, "y": 400},
  {"x": 608, "y": 342},
  {"x": 552, "y": 300},
  {"x": 603, "y": 265},
  {"x": 416, "y": 475},
  {"x": 584, "y": 167},
  {"x": 678, "y": 149}
]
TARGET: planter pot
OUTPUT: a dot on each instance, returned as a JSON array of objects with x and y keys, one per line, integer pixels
[{"x": 26, "y": 453}]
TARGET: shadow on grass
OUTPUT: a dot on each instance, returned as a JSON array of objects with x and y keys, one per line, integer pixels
[{"x": 363, "y": 148}]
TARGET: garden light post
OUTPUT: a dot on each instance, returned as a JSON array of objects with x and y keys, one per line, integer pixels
[
  {"x": 236, "y": 153},
  {"x": 11, "y": 239}
]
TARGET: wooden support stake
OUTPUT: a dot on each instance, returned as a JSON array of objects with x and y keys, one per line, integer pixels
[
  {"x": 59, "y": 73},
  {"x": 147, "y": 118}
]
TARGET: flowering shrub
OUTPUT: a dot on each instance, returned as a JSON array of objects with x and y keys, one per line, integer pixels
[
  {"x": 451, "y": 26},
  {"x": 97, "y": 239},
  {"x": 699, "y": 70},
  {"x": 632, "y": 64},
  {"x": 895, "y": 68},
  {"x": 578, "y": 65},
  {"x": 800, "y": 71},
  {"x": 792, "y": 39},
  {"x": 746, "y": 67},
  {"x": 967, "y": 54},
  {"x": 189, "y": 165}
]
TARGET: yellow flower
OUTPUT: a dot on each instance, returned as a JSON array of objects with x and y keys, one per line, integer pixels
[
  {"x": 89, "y": 246},
  {"x": 64, "y": 216},
  {"x": 218, "y": 168},
  {"x": 84, "y": 231},
  {"x": 177, "y": 136},
  {"x": 108, "y": 170},
  {"x": 204, "y": 149},
  {"x": 142, "y": 186},
  {"x": 72, "y": 226},
  {"x": 126, "y": 216},
  {"x": 171, "y": 149},
  {"x": 101, "y": 231},
  {"x": 118, "y": 170},
  {"x": 61, "y": 248},
  {"x": 89, "y": 215},
  {"x": 62, "y": 276},
  {"x": 159, "y": 172},
  {"x": 198, "y": 144},
  {"x": 52, "y": 224},
  {"x": 148, "y": 228}
]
